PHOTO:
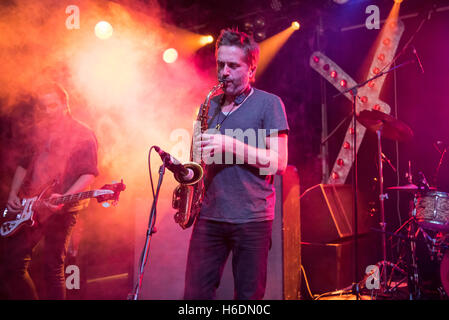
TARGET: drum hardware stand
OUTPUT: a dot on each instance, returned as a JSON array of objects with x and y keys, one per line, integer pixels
[
  {"x": 382, "y": 197},
  {"x": 413, "y": 231}
]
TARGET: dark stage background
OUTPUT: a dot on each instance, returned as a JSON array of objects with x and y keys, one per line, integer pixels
[{"x": 420, "y": 100}]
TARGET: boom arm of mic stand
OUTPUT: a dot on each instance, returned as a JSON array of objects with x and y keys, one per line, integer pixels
[
  {"x": 336, "y": 128},
  {"x": 373, "y": 78}
]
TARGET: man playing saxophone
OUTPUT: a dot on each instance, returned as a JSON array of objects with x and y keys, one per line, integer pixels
[{"x": 245, "y": 146}]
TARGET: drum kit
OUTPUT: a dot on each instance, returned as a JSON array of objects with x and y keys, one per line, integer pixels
[{"x": 428, "y": 216}]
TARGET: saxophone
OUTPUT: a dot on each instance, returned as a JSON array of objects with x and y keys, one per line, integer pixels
[{"x": 188, "y": 195}]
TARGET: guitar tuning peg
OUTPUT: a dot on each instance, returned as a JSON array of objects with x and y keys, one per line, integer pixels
[{"x": 106, "y": 204}]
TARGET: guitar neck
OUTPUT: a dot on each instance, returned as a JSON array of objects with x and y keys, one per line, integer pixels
[{"x": 70, "y": 198}]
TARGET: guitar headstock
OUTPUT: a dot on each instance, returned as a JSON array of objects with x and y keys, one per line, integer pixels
[{"x": 113, "y": 196}]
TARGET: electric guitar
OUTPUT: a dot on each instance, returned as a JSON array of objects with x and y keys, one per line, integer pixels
[{"x": 32, "y": 208}]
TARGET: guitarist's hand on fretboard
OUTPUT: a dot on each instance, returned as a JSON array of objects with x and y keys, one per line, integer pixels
[{"x": 53, "y": 208}]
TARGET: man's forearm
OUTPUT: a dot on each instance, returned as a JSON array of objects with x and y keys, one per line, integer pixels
[
  {"x": 272, "y": 159},
  {"x": 17, "y": 180},
  {"x": 81, "y": 184}
]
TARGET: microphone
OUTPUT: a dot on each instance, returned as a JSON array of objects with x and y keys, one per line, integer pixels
[
  {"x": 417, "y": 59},
  {"x": 182, "y": 174}
]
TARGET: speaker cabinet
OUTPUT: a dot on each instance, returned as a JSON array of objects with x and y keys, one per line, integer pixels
[
  {"x": 330, "y": 266},
  {"x": 327, "y": 213},
  {"x": 328, "y": 244},
  {"x": 284, "y": 258}
]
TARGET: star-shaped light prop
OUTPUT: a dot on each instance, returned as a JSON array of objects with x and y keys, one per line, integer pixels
[{"x": 368, "y": 96}]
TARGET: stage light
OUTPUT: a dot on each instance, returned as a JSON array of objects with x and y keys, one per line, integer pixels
[
  {"x": 260, "y": 36},
  {"x": 340, "y": 1},
  {"x": 170, "y": 55},
  {"x": 398, "y": 1},
  {"x": 248, "y": 27},
  {"x": 103, "y": 30},
  {"x": 204, "y": 40},
  {"x": 295, "y": 25},
  {"x": 271, "y": 46},
  {"x": 259, "y": 23}
]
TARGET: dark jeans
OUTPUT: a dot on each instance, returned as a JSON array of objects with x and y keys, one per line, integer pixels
[
  {"x": 17, "y": 254},
  {"x": 210, "y": 245}
]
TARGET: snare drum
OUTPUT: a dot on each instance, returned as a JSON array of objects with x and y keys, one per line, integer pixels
[{"x": 432, "y": 210}]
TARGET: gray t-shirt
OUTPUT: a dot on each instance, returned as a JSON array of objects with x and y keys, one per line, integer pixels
[{"x": 236, "y": 192}]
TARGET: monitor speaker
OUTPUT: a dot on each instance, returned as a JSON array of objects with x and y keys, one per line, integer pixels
[{"x": 327, "y": 213}]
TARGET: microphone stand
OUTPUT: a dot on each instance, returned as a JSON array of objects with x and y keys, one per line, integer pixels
[
  {"x": 353, "y": 91},
  {"x": 150, "y": 231}
]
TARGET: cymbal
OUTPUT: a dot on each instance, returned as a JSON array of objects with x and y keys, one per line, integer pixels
[
  {"x": 408, "y": 187},
  {"x": 391, "y": 128}
]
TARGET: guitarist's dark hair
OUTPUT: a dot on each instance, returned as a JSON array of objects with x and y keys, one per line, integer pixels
[{"x": 59, "y": 90}]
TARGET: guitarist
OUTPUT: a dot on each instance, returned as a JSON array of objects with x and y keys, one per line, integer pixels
[{"x": 64, "y": 157}]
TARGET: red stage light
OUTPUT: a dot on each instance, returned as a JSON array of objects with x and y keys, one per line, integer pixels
[
  {"x": 381, "y": 57},
  {"x": 364, "y": 99},
  {"x": 340, "y": 162},
  {"x": 386, "y": 41},
  {"x": 343, "y": 83},
  {"x": 347, "y": 145},
  {"x": 316, "y": 59},
  {"x": 326, "y": 67},
  {"x": 334, "y": 74}
]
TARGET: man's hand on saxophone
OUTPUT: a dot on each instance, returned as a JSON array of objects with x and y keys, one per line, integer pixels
[{"x": 272, "y": 158}]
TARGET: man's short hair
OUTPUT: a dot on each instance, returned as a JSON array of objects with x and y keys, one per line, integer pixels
[{"x": 233, "y": 37}]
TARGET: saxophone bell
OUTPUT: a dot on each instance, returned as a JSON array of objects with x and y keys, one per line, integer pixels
[{"x": 197, "y": 170}]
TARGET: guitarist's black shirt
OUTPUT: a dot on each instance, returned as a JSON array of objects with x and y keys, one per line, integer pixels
[{"x": 60, "y": 157}]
